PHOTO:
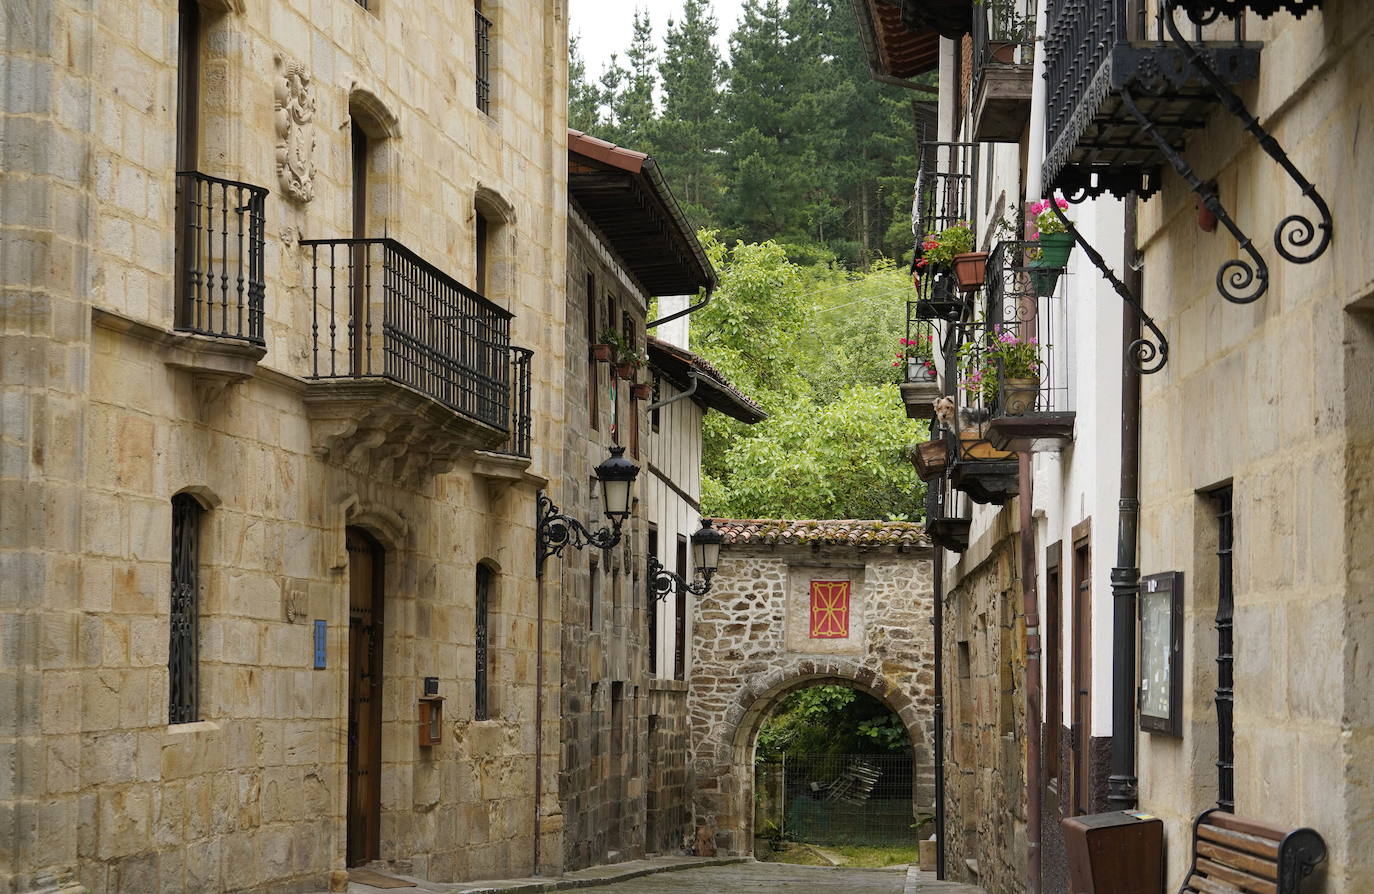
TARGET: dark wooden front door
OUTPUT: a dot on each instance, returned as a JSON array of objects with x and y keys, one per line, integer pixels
[
  {"x": 364, "y": 697},
  {"x": 1081, "y": 768}
]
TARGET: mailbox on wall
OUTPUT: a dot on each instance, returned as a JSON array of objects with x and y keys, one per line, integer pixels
[
  {"x": 431, "y": 714},
  {"x": 1115, "y": 853}
]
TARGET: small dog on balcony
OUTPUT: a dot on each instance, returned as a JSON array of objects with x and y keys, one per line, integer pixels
[{"x": 955, "y": 419}]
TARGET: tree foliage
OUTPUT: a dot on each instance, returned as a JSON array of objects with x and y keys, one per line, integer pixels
[
  {"x": 790, "y": 140},
  {"x": 831, "y": 720}
]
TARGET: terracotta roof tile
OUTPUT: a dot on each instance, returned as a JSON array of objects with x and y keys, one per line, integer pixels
[{"x": 844, "y": 531}]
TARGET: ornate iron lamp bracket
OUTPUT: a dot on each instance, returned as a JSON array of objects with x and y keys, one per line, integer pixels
[
  {"x": 662, "y": 582},
  {"x": 1149, "y": 355},
  {"x": 1295, "y": 232},
  {"x": 555, "y": 531},
  {"x": 1237, "y": 280}
]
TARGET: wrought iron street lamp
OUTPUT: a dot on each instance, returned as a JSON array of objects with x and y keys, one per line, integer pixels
[
  {"x": 705, "y": 555},
  {"x": 555, "y": 531}
]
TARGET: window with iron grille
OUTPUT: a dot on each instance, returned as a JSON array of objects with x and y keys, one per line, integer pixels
[
  {"x": 483, "y": 33},
  {"x": 481, "y": 709},
  {"x": 183, "y": 656},
  {"x": 1226, "y": 696}
]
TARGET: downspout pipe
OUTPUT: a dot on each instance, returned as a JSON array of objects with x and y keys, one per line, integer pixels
[
  {"x": 1035, "y": 721},
  {"x": 1121, "y": 784},
  {"x": 938, "y": 573},
  {"x": 689, "y": 309},
  {"x": 683, "y": 395}
]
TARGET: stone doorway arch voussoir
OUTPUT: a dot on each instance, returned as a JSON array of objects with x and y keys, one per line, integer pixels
[{"x": 725, "y": 760}]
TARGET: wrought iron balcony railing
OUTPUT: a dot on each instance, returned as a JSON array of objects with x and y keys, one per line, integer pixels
[
  {"x": 944, "y": 196},
  {"x": 220, "y": 281},
  {"x": 1105, "y": 60},
  {"x": 518, "y": 442},
  {"x": 1003, "y": 53},
  {"x": 1025, "y": 301},
  {"x": 378, "y": 310}
]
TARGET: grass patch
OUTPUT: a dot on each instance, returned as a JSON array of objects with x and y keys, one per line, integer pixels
[
  {"x": 856, "y": 855},
  {"x": 879, "y": 856}
]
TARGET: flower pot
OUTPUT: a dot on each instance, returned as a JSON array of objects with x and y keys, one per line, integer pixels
[
  {"x": 1002, "y": 52},
  {"x": 970, "y": 269},
  {"x": 1018, "y": 396},
  {"x": 602, "y": 353},
  {"x": 918, "y": 370},
  {"x": 929, "y": 459},
  {"x": 626, "y": 371},
  {"x": 642, "y": 390},
  {"x": 1055, "y": 249}
]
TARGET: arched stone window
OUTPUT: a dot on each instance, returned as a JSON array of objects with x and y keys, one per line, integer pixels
[
  {"x": 183, "y": 656},
  {"x": 493, "y": 224}
]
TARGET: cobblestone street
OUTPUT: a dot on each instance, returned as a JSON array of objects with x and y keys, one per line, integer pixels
[{"x": 764, "y": 878}]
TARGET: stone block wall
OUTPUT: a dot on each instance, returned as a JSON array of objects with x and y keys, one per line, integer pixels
[
  {"x": 984, "y": 655},
  {"x": 668, "y": 795},
  {"x": 99, "y": 432},
  {"x": 1277, "y": 403},
  {"x": 605, "y": 703},
  {"x": 750, "y": 647}
]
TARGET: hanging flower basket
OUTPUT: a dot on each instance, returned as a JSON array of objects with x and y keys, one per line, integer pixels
[
  {"x": 603, "y": 353},
  {"x": 627, "y": 371},
  {"x": 641, "y": 390},
  {"x": 970, "y": 269}
]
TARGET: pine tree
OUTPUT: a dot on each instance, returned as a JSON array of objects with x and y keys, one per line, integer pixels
[
  {"x": 688, "y": 135},
  {"x": 584, "y": 100},
  {"x": 613, "y": 78},
  {"x": 634, "y": 108}
]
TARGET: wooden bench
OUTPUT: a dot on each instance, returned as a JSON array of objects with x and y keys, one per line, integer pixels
[{"x": 1232, "y": 855}]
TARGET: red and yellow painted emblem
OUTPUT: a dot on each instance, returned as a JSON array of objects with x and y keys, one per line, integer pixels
[{"x": 830, "y": 609}]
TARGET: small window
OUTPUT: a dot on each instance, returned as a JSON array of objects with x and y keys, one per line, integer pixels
[
  {"x": 482, "y": 251},
  {"x": 680, "y": 641},
  {"x": 483, "y": 33},
  {"x": 593, "y": 367},
  {"x": 481, "y": 708},
  {"x": 656, "y": 414},
  {"x": 652, "y": 606},
  {"x": 183, "y": 657},
  {"x": 594, "y": 596}
]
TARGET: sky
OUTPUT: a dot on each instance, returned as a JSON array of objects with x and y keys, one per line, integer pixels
[{"x": 605, "y": 26}]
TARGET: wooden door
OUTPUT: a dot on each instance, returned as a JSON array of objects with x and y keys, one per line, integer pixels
[
  {"x": 364, "y": 697},
  {"x": 1081, "y": 768}
]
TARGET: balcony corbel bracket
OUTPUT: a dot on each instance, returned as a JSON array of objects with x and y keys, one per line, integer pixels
[
  {"x": 1149, "y": 355},
  {"x": 1238, "y": 281},
  {"x": 1295, "y": 232}
]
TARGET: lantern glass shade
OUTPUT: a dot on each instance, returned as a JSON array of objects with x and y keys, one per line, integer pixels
[
  {"x": 617, "y": 476},
  {"x": 706, "y": 548}
]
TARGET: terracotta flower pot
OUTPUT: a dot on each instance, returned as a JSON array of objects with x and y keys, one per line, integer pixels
[
  {"x": 626, "y": 371},
  {"x": 642, "y": 390},
  {"x": 1018, "y": 396},
  {"x": 602, "y": 353},
  {"x": 970, "y": 269}
]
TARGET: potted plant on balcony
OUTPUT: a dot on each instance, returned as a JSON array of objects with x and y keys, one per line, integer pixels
[
  {"x": 1054, "y": 246},
  {"x": 642, "y": 390},
  {"x": 624, "y": 357},
  {"x": 951, "y": 250},
  {"x": 917, "y": 357},
  {"x": 1016, "y": 368}
]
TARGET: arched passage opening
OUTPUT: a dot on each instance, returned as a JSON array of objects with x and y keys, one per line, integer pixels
[{"x": 726, "y": 758}]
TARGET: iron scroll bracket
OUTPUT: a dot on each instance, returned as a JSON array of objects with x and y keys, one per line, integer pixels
[
  {"x": 1296, "y": 232},
  {"x": 662, "y": 582},
  {"x": 1149, "y": 355},
  {"x": 555, "y": 531},
  {"x": 1239, "y": 281}
]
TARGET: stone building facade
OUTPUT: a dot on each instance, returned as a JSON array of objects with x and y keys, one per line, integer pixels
[
  {"x": 1253, "y": 433},
  {"x": 623, "y": 777},
  {"x": 336, "y": 469},
  {"x": 753, "y": 643}
]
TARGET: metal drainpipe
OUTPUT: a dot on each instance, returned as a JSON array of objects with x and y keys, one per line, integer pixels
[
  {"x": 938, "y": 572},
  {"x": 1031, "y": 604},
  {"x": 1121, "y": 784}
]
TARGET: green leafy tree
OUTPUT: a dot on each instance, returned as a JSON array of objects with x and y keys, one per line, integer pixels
[{"x": 831, "y": 720}]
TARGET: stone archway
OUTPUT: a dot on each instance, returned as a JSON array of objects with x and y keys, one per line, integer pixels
[{"x": 748, "y": 653}]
